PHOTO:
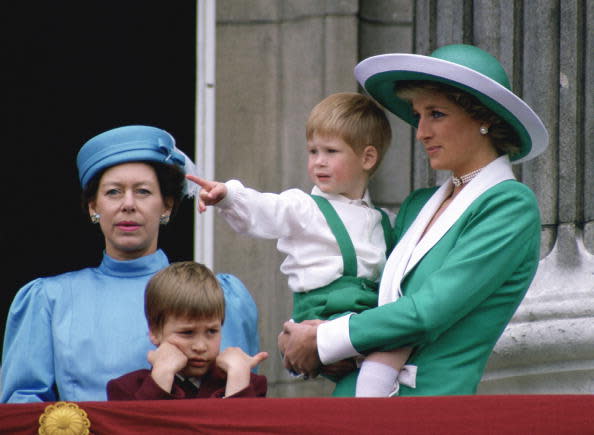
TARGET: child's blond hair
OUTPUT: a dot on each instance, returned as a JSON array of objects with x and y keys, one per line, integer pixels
[
  {"x": 185, "y": 289},
  {"x": 355, "y": 118}
]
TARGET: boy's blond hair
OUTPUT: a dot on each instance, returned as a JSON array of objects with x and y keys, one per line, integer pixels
[
  {"x": 355, "y": 118},
  {"x": 185, "y": 289}
]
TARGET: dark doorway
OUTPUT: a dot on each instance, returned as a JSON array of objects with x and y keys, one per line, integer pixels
[{"x": 74, "y": 70}]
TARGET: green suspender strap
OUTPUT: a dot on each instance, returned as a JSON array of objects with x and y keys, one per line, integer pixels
[
  {"x": 388, "y": 231},
  {"x": 346, "y": 294},
  {"x": 349, "y": 257}
]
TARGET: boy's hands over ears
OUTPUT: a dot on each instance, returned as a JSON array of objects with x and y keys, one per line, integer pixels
[
  {"x": 166, "y": 360},
  {"x": 238, "y": 364}
]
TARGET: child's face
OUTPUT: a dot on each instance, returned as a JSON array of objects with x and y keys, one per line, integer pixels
[
  {"x": 198, "y": 340},
  {"x": 336, "y": 168}
]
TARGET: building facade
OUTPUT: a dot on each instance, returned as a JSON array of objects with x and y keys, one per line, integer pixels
[{"x": 275, "y": 59}]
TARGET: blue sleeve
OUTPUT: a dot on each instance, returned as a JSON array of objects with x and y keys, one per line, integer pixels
[
  {"x": 240, "y": 328},
  {"x": 27, "y": 358}
]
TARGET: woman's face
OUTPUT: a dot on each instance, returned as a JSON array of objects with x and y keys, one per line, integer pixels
[
  {"x": 451, "y": 137},
  {"x": 130, "y": 204}
]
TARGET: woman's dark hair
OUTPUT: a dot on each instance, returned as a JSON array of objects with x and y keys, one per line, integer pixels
[
  {"x": 171, "y": 183},
  {"x": 503, "y": 136}
]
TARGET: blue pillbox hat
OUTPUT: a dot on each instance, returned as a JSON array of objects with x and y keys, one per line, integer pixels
[{"x": 133, "y": 143}]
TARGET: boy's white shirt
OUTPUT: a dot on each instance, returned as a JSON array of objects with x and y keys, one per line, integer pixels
[
  {"x": 313, "y": 256},
  {"x": 333, "y": 339}
]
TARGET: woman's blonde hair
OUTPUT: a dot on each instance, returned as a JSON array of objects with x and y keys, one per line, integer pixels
[
  {"x": 185, "y": 289},
  {"x": 355, "y": 118},
  {"x": 503, "y": 137}
]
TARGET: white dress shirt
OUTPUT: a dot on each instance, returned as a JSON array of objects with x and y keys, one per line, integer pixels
[{"x": 313, "y": 256}]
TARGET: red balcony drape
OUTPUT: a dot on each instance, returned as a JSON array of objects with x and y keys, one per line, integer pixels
[{"x": 461, "y": 415}]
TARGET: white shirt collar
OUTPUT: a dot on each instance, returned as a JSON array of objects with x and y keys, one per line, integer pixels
[{"x": 365, "y": 200}]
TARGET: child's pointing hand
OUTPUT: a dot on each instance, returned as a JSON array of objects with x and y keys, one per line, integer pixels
[{"x": 211, "y": 192}]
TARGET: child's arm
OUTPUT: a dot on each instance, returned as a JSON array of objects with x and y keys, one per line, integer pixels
[
  {"x": 394, "y": 358},
  {"x": 238, "y": 365},
  {"x": 379, "y": 372},
  {"x": 258, "y": 214},
  {"x": 211, "y": 192},
  {"x": 166, "y": 360}
]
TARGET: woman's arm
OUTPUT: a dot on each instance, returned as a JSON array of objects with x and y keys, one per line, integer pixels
[
  {"x": 27, "y": 359},
  {"x": 497, "y": 240}
]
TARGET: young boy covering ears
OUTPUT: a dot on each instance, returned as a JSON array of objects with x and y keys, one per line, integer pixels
[{"x": 185, "y": 310}]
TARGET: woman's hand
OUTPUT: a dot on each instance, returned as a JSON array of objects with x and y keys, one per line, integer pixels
[
  {"x": 339, "y": 368},
  {"x": 298, "y": 344}
]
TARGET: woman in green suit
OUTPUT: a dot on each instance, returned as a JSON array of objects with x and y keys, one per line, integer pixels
[{"x": 467, "y": 250}]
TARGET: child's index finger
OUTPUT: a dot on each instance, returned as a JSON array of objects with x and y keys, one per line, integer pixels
[{"x": 201, "y": 181}]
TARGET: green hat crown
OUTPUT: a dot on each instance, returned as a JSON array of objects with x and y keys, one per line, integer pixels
[{"x": 474, "y": 58}]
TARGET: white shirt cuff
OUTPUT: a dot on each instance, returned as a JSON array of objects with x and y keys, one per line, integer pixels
[
  {"x": 334, "y": 342},
  {"x": 233, "y": 186}
]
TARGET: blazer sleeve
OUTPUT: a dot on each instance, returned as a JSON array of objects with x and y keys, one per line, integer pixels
[
  {"x": 28, "y": 355},
  {"x": 139, "y": 385},
  {"x": 498, "y": 238},
  {"x": 257, "y": 388}
]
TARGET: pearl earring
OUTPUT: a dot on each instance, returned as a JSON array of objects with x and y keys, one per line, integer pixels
[
  {"x": 95, "y": 218},
  {"x": 484, "y": 130}
]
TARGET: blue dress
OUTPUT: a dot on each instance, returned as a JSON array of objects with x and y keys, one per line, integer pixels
[{"x": 68, "y": 335}]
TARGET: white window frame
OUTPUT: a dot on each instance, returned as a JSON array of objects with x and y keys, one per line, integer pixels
[{"x": 205, "y": 123}]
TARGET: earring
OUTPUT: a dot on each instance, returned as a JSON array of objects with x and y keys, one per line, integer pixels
[
  {"x": 95, "y": 218},
  {"x": 484, "y": 130},
  {"x": 164, "y": 219}
]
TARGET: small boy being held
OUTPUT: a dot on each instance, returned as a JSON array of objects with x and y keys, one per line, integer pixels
[
  {"x": 185, "y": 310},
  {"x": 336, "y": 242}
]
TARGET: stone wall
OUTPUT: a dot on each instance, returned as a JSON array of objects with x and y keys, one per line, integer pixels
[{"x": 277, "y": 59}]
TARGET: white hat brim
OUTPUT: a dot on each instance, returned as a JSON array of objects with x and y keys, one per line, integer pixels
[{"x": 377, "y": 75}]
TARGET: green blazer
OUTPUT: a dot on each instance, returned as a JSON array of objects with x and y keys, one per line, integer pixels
[{"x": 457, "y": 300}]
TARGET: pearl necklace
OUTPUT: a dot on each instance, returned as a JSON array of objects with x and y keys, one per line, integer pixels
[{"x": 464, "y": 179}]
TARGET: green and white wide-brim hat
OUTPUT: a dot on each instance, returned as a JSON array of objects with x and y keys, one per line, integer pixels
[{"x": 466, "y": 67}]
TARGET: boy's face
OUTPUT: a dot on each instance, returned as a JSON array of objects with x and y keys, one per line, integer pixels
[
  {"x": 336, "y": 168},
  {"x": 198, "y": 340}
]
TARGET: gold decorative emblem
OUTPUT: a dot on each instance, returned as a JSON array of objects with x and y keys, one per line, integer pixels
[{"x": 64, "y": 418}]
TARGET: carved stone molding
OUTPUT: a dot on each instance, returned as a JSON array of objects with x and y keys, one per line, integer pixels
[{"x": 549, "y": 345}]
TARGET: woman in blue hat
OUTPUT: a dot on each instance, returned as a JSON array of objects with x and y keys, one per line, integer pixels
[
  {"x": 467, "y": 250},
  {"x": 67, "y": 335}
]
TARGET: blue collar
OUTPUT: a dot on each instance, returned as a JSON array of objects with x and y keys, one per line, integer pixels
[{"x": 147, "y": 265}]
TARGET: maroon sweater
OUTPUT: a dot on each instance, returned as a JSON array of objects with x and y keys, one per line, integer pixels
[{"x": 139, "y": 385}]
